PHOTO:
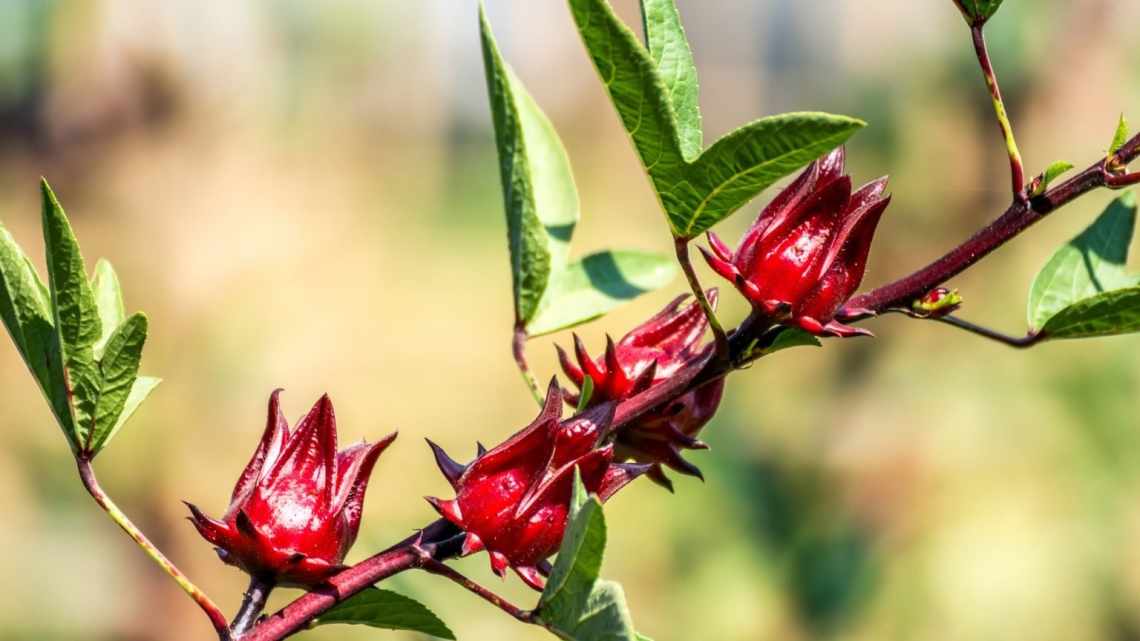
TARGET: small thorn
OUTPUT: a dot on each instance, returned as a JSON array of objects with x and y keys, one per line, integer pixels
[
  {"x": 450, "y": 468},
  {"x": 499, "y": 563},
  {"x": 447, "y": 509},
  {"x": 472, "y": 544},
  {"x": 531, "y": 577}
]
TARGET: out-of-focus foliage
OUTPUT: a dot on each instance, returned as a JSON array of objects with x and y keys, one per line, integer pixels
[{"x": 306, "y": 195}]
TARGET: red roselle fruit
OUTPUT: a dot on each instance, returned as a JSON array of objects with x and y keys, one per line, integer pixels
[
  {"x": 513, "y": 500},
  {"x": 295, "y": 510},
  {"x": 649, "y": 354},
  {"x": 806, "y": 253}
]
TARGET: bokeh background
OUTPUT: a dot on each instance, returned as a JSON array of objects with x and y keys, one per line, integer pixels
[{"x": 305, "y": 195}]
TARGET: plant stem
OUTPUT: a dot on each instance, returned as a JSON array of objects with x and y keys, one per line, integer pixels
[
  {"x": 518, "y": 349},
  {"x": 438, "y": 538},
  {"x": 87, "y": 475},
  {"x": 1016, "y": 169},
  {"x": 681, "y": 245},
  {"x": 435, "y": 567},
  {"x": 1120, "y": 181},
  {"x": 252, "y": 605},
  {"x": 441, "y": 539},
  {"x": 1020, "y": 342},
  {"x": 1016, "y": 219}
]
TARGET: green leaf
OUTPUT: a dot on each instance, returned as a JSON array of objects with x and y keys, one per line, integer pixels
[
  {"x": 25, "y": 308},
  {"x": 539, "y": 195},
  {"x": 589, "y": 288},
  {"x": 792, "y": 337},
  {"x": 978, "y": 12},
  {"x": 746, "y": 162},
  {"x": 673, "y": 58},
  {"x": 1120, "y": 137},
  {"x": 1106, "y": 314},
  {"x": 1051, "y": 173},
  {"x": 108, "y": 301},
  {"x": 579, "y": 559},
  {"x": 698, "y": 193},
  {"x": 119, "y": 370},
  {"x": 1090, "y": 264},
  {"x": 388, "y": 610},
  {"x": 141, "y": 389},
  {"x": 75, "y": 314},
  {"x": 575, "y": 604}
]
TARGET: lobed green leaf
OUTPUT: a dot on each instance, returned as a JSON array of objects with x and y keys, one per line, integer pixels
[
  {"x": 673, "y": 57},
  {"x": 654, "y": 93},
  {"x": 108, "y": 302},
  {"x": 25, "y": 308},
  {"x": 118, "y": 370},
  {"x": 73, "y": 334},
  {"x": 76, "y": 318},
  {"x": 388, "y": 610}
]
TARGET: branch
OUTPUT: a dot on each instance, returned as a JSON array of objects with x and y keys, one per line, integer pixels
[
  {"x": 1016, "y": 170},
  {"x": 681, "y": 245},
  {"x": 442, "y": 539},
  {"x": 87, "y": 475},
  {"x": 252, "y": 604},
  {"x": 518, "y": 349},
  {"x": 1020, "y": 342},
  {"x": 438, "y": 538},
  {"x": 1016, "y": 219},
  {"x": 435, "y": 567}
]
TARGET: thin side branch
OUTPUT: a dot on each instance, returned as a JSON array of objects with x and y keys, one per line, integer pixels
[
  {"x": 1016, "y": 168},
  {"x": 518, "y": 349},
  {"x": 91, "y": 483},
  {"x": 435, "y": 567},
  {"x": 1020, "y": 342},
  {"x": 681, "y": 245}
]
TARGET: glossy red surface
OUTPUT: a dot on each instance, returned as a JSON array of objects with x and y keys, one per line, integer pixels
[
  {"x": 295, "y": 510},
  {"x": 649, "y": 354},
  {"x": 807, "y": 251},
  {"x": 512, "y": 501}
]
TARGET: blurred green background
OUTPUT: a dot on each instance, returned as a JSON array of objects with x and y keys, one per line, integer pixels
[{"x": 305, "y": 195}]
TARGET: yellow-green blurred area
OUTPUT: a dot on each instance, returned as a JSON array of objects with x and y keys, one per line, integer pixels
[{"x": 306, "y": 195}]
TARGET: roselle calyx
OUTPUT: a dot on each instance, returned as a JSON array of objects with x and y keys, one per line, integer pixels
[
  {"x": 807, "y": 251},
  {"x": 648, "y": 355},
  {"x": 295, "y": 510},
  {"x": 513, "y": 500}
]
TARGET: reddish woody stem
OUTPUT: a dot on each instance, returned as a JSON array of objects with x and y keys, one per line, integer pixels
[
  {"x": 752, "y": 337},
  {"x": 681, "y": 245},
  {"x": 1016, "y": 219},
  {"x": 87, "y": 475},
  {"x": 435, "y": 567},
  {"x": 1016, "y": 169},
  {"x": 438, "y": 539},
  {"x": 518, "y": 350},
  {"x": 1120, "y": 181}
]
